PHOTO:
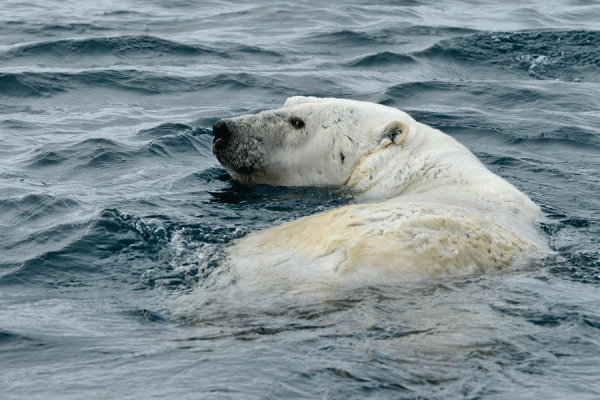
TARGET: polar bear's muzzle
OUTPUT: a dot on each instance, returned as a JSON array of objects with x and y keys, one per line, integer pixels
[
  {"x": 221, "y": 131},
  {"x": 235, "y": 150},
  {"x": 222, "y": 135}
]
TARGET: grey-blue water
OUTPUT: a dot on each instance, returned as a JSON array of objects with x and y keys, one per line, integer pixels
[{"x": 108, "y": 190}]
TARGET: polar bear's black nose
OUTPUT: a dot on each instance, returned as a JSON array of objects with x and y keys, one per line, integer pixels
[{"x": 220, "y": 130}]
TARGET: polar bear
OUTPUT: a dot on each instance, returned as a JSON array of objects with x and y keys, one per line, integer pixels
[{"x": 423, "y": 205}]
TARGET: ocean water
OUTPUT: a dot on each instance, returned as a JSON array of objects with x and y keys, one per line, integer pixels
[{"x": 109, "y": 194}]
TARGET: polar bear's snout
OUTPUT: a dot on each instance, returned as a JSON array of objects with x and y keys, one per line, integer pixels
[
  {"x": 223, "y": 145},
  {"x": 221, "y": 141},
  {"x": 221, "y": 133},
  {"x": 221, "y": 130},
  {"x": 236, "y": 149}
]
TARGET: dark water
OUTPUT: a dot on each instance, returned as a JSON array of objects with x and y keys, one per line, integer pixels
[{"x": 109, "y": 193}]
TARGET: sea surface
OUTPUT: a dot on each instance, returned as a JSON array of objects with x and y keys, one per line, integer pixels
[{"x": 109, "y": 197}]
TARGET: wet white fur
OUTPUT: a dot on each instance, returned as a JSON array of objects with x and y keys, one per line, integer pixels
[{"x": 424, "y": 205}]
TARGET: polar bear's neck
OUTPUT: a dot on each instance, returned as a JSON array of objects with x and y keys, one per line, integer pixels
[{"x": 429, "y": 164}]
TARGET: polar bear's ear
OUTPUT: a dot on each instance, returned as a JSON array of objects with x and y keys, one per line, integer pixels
[{"x": 395, "y": 131}]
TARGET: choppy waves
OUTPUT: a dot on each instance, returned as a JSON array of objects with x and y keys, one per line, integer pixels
[
  {"x": 114, "y": 213},
  {"x": 566, "y": 56},
  {"x": 106, "y": 62},
  {"x": 118, "y": 46},
  {"x": 152, "y": 66}
]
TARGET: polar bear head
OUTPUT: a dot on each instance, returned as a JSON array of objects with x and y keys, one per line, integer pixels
[{"x": 309, "y": 142}]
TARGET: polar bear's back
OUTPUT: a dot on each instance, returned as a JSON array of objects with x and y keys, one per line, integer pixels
[{"x": 405, "y": 241}]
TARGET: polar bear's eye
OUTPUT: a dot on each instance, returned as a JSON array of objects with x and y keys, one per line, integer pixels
[{"x": 297, "y": 123}]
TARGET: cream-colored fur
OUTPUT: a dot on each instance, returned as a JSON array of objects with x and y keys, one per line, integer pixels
[{"x": 424, "y": 204}]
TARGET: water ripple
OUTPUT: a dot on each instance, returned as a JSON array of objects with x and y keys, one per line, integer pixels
[
  {"x": 566, "y": 55},
  {"x": 120, "y": 46}
]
